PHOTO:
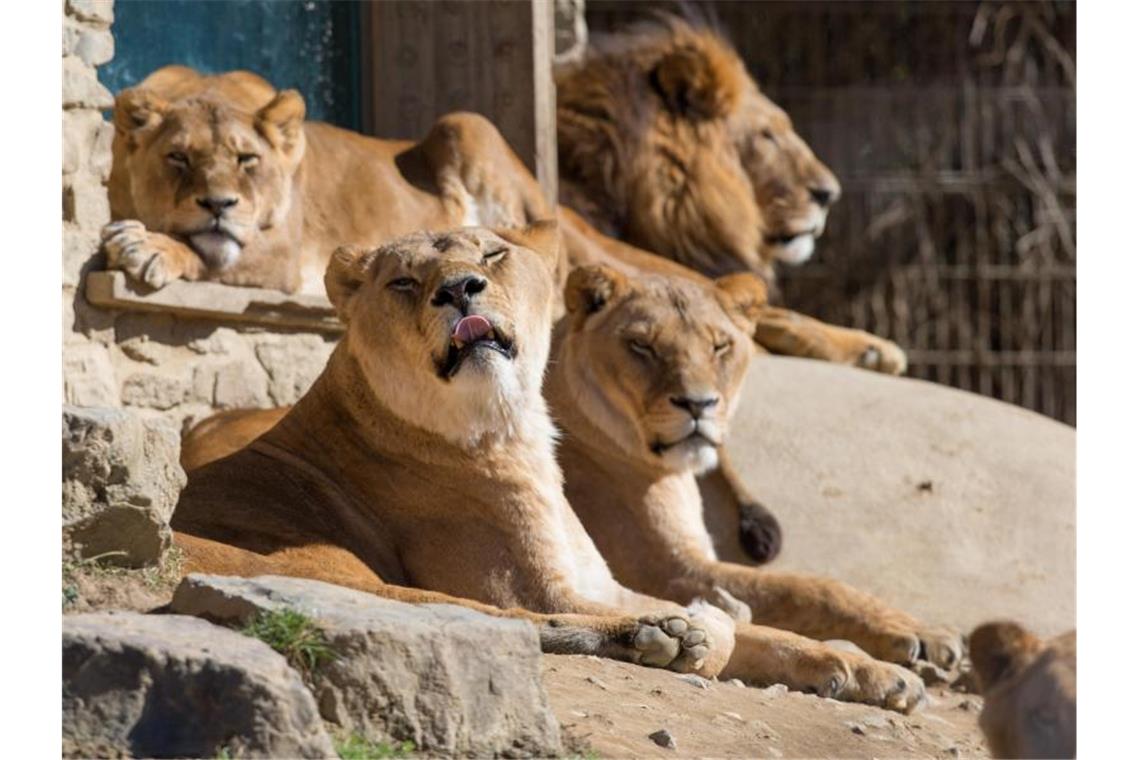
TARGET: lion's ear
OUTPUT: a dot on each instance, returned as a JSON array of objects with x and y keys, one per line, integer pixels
[
  {"x": 137, "y": 110},
  {"x": 698, "y": 80},
  {"x": 282, "y": 121},
  {"x": 590, "y": 289},
  {"x": 743, "y": 295},
  {"x": 542, "y": 237},
  {"x": 348, "y": 269}
]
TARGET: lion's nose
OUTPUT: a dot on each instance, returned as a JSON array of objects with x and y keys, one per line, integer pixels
[
  {"x": 822, "y": 195},
  {"x": 695, "y": 406},
  {"x": 458, "y": 292},
  {"x": 217, "y": 205}
]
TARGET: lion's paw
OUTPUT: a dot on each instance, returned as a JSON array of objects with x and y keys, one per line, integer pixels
[
  {"x": 882, "y": 684},
  {"x": 670, "y": 641},
  {"x": 882, "y": 356},
  {"x": 141, "y": 254},
  {"x": 942, "y": 647}
]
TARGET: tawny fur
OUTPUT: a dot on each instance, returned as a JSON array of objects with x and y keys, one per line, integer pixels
[
  {"x": 1030, "y": 688},
  {"x": 301, "y": 188},
  {"x": 665, "y": 141},
  {"x": 629, "y": 351},
  {"x": 452, "y": 489}
]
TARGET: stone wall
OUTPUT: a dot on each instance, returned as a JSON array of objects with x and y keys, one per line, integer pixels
[{"x": 163, "y": 365}]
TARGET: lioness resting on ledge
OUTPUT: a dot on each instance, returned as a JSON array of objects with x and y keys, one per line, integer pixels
[
  {"x": 644, "y": 378},
  {"x": 423, "y": 457}
]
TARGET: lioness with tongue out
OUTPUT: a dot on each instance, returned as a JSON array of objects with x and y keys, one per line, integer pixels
[{"x": 420, "y": 465}]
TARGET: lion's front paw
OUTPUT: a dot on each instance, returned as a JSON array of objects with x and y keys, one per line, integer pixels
[
  {"x": 670, "y": 641},
  {"x": 942, "y": 647},
  {"x": 882, "y": 684},
  {"x": 145, "y": 256},
  {"x": 882, "y": 356}
]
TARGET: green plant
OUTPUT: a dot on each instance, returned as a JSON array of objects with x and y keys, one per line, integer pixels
[
  {"x": 294, "y": 635},
  {"x": 356, "y": 747}
]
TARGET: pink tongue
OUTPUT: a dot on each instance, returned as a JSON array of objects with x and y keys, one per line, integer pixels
[{"x": 470, "y": 329}]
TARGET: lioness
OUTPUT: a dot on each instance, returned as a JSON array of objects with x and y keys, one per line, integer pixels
[
  {"x": 665, "y": 141},
  {"x": 1030, "y": 688},
  {"x": 644, "y": 379},
  {"x": 423, "y": 456},
  {"x": 221, "y": 178}
]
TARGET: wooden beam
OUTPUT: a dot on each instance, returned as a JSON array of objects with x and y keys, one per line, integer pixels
[{"x": 424, "y": 59}]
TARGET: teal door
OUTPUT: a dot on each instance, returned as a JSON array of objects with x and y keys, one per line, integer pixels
[{"x": 312, "y": 46}]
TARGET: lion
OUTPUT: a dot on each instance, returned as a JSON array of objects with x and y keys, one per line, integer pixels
[
  {"x": 644, "y": 379},
  {"x": 1030, "y": 689},
  {"x": 666, "y": 142},
  {"x": 423, "y": 457},
  {"x": 221, "y": 178}
]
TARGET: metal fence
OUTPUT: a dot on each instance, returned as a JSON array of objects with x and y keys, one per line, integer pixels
[{"x": 952, "y": 126}]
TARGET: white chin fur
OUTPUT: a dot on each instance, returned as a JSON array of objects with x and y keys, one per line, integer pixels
[
  {"x": 797, "y": 251},
  {"x": 698, "y": 457},
  {"x": 218, "y": 250}
]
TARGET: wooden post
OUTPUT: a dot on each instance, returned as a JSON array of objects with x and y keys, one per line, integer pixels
[{"x": 424, "y": 59}]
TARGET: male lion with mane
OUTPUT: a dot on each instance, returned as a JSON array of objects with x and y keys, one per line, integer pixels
[
  {"x": 666, "y": 142},
  {"x": 423, "y": 456}
]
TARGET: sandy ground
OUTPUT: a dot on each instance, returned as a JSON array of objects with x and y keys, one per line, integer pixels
[{"x": 610, "y": 708}]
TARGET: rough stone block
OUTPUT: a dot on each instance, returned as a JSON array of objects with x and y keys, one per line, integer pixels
[
  {"x": 153, "y": 391},
  {"x": 88, "y": 377},
  {"x": 172, "y": 686},
  {"x": 93, "y": 45},
  {"x": 240, "y": 385},
  {"x": 101, "y": 11},
  {"x": 121, "y": 480},
  {"x": 80, "y": 246},
  {"x": 81, "y": 87},
  {"x": 451, "y": 680},
  {"x": 293, "y": 363},
  {"x": 85, "y": 201}
]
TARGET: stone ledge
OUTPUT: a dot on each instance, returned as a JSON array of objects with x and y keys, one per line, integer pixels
[{"x": 211, "y": 300}]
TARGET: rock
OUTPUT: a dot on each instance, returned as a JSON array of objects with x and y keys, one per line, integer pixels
[
  {"x": 775, "y": 690},
  {"x": 101, "y": 11},
  {"x": 79, "y": 247},
  {"x": 737, "y": 683},
  {"x": 121, "y": 480},
  {"x": 173, "y": 686},
  {"x": 292, "y": 363},
  {"x": 240, "y": 385},
  {"x": 153, "y": 391},
  {"x": 81, "y": 87},
  {"x": 447, "y": 678},
  {"x": 693, "y": 680},
  {"x": 85, "y": 201},
  {"x": 93, "y": 46},
  {"x": 839, "y": 459},
  {"x": 664, "y": 739},
  {"x": 89, "y": 378}
]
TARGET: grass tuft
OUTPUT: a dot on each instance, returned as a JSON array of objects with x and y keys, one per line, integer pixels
[
  {"x": 295, "y": 636},
  {"x": 356, "y": 747}
]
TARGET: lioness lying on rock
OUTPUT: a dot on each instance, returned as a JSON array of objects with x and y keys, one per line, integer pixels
[
  {"x": 423, "y": 457},
  {"x": 1030, "y": 688},
  {"x": 643, "y": 382}
]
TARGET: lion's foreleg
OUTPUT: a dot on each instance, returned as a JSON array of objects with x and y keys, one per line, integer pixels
[
  {"x": 150, "y": 257},
  {"x": 765, "y": 656},
  {"x": 756, "y": 529},
  {"x": 782, "y": 331}
]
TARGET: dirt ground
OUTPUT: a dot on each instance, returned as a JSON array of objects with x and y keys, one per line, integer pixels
[{"x": 610, "y": 708}]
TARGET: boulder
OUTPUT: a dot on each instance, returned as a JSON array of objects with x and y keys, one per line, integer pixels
[
  {"x": 121, "y": 480},
  {"x": 955, "y": 507},
  {"x": 172, "y": 686},
  {"x": 449, "y": 679}
]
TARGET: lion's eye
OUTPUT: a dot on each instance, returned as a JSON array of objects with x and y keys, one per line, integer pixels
[
  {"x": 248, "y": 160},
  {"x": 406, "y": 284},
  {"x": 494, "y": 255},
  {"x": 178, "y": 158},
  {"x": 767, "y": 133},
  {"x": 722, "y": 348},
  {"x": 641, "y": 348}
]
